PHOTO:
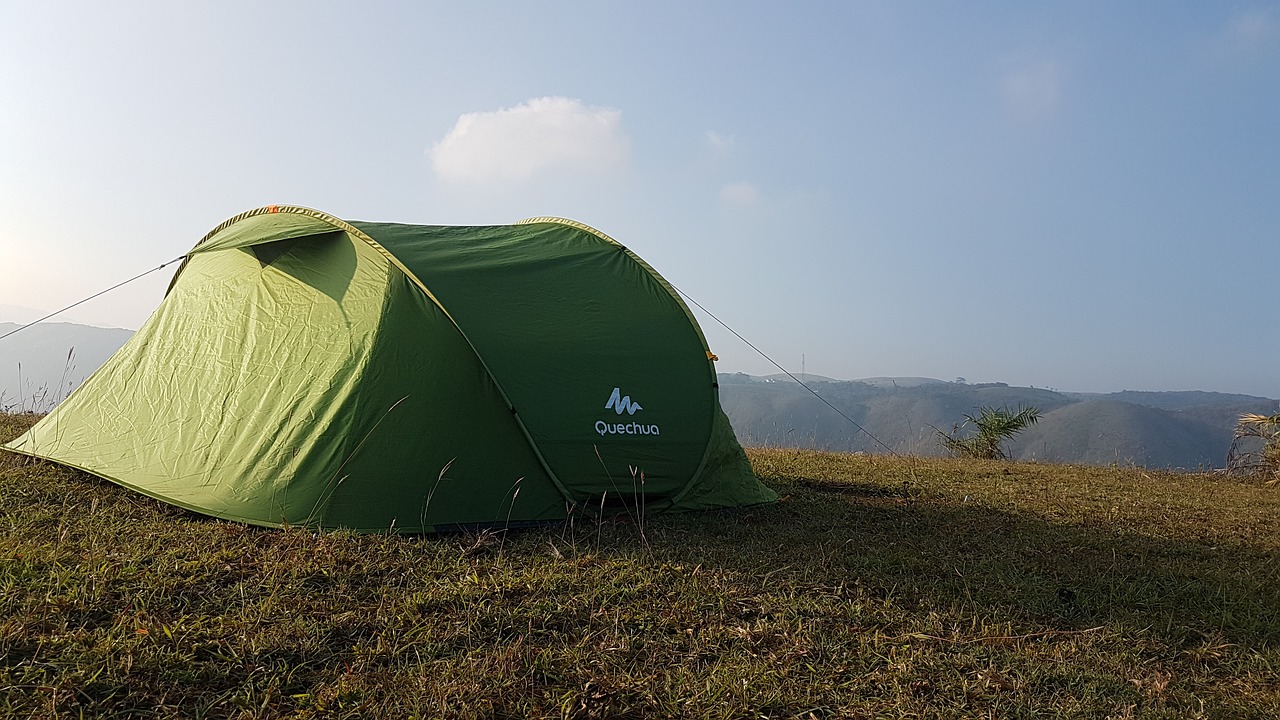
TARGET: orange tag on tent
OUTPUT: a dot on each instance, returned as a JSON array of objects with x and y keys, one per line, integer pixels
[
  {"x": 273, "y": 208},
  {"x": 712, "y": 356}
]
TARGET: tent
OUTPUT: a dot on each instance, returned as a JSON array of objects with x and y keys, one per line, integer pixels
[{"x": 305, "y": 370}]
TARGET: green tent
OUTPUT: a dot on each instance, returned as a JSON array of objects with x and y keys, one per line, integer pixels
[{"x": 305, "y": 370}]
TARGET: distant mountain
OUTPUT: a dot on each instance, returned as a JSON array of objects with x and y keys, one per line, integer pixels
[
  {"x": 899, "y": 382},
  {"x": 19, "y": 314},
  {"x": 1169, "y": 430},
  {"x": 902, "y": 417},
  {"x": 1172, "y": 400},
  {"x": 43, "y": 363},
  {"x": 1113, "y": 432}
]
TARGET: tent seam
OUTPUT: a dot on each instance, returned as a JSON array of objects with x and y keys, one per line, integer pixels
[
  {"x": 693, "y": 322},
  {"x": 395, "y": 262}
]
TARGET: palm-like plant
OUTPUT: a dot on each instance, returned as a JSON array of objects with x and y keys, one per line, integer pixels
[
  {"x": 994, "y": 426},
  {"x": 1263, "y": 459}
]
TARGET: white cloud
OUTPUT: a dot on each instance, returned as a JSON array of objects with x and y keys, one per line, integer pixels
[
  {"x": 1033, "y": 92},
  {"x": 1246, "y": 35},
  {"x": 514, "y": 144},
  {"x": 719, "y": 143},
  {"x": 1251, "y": 29},
  {"x": 1243, "y": 39},
  {"x": 739, "y": 193}
]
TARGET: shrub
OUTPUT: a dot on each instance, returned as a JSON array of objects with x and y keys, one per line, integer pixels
[
  {"x": 1255, "y": 447},
  {"x": 993, "y": 426}
]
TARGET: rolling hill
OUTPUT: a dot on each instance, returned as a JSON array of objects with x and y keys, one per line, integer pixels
[
  {"x": 43, "y": 363},
  {"x": 1186, "y": 429}
]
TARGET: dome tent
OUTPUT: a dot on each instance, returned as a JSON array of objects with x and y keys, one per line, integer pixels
[{"x": 305, "y": 370}]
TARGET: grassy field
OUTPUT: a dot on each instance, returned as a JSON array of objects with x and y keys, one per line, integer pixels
[{"x": 879, "y": 587}]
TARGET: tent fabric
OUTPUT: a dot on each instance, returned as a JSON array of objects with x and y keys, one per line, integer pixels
[{"x": 305, "y": 370}]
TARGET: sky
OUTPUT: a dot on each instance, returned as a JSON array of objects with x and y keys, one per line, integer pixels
[{"x": 1075, "y": 195}]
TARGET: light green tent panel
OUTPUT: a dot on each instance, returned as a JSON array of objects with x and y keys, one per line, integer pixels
[{"x": 307, "y": 371}]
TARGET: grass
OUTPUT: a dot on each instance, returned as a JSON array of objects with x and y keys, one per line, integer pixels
[
  {"x": 880, "y": 587},
  {"x": 32, "y": 399}
]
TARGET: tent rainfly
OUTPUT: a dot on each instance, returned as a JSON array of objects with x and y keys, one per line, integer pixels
[{"x": 308, "y": 371}]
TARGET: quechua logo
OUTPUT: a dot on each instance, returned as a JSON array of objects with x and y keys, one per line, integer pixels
[{"x": 620, "y": 403}]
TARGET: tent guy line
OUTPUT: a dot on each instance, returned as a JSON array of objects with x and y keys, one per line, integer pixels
[
  {"x": 787, "y": 372},
  {"x": 20, "y": 328}
]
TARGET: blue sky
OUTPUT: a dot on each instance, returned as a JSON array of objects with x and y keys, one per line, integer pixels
[{"x": 1075, "y": 195}]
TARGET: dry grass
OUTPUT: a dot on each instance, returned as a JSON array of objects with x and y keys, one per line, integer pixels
[{"x": 880, "y": 587}]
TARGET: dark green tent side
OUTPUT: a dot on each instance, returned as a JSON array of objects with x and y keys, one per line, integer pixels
[{"x": 303, "y": 370}]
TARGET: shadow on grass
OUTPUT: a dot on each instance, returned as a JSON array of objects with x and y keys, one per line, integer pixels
[
  {"x": 926, "y": 554},
  {"x": 969, "y": 560}
]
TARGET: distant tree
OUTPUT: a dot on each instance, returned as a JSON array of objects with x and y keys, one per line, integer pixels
[
  {"x": 961, "y": 381},
  {"x": 992, "y": 427}
]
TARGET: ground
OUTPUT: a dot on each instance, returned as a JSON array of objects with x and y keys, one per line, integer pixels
[{"x": 878, "y": 587}]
